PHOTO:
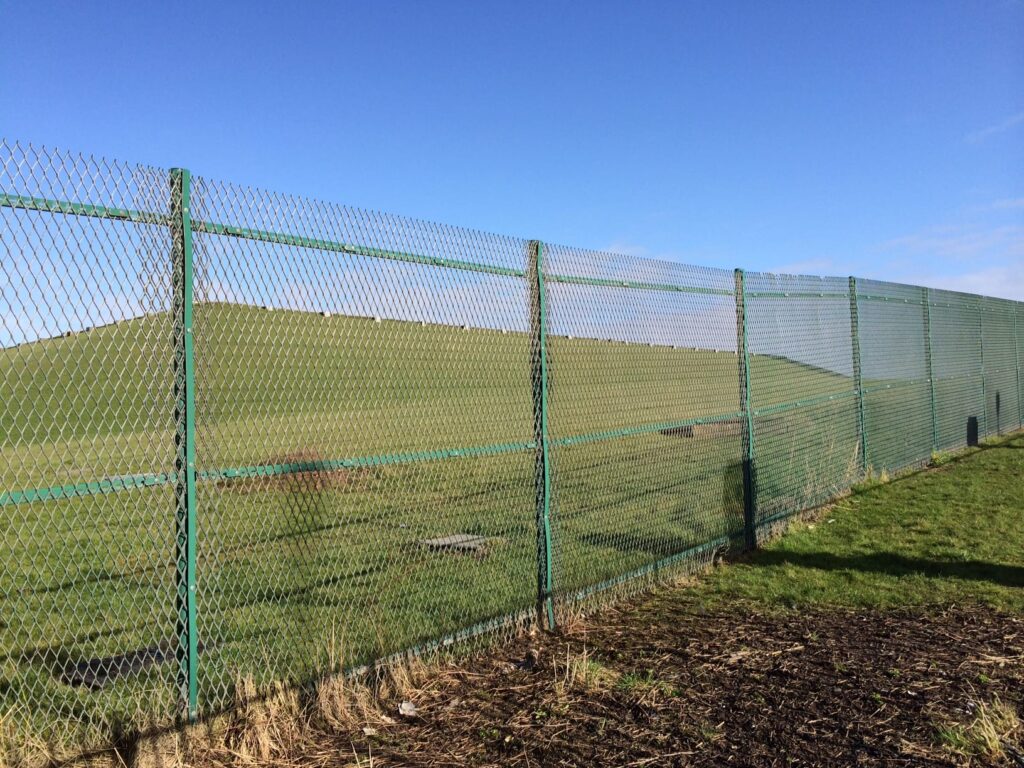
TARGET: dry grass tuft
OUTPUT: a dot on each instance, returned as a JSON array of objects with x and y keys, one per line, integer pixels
[
  {"x": 582, "y": 671},
  {"x": 403, "y": 679},
  {"x": 571, "y": 618},
  {"x": 264, "y": 729},
  {"x": 20, "y": 747},
  {"x": 993, "y": 726},
  {"x": 281, "y": 726}
]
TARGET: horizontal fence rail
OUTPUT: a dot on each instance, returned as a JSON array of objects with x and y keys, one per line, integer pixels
[{"x": 252, "y": 439}]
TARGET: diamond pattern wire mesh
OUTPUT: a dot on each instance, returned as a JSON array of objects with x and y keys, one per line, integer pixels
[
  {"x": 803, "y": 393},
  {"x": 957, "y": 364},
  {"x": 404, "y": 433},
  {"x": 87, "y": 418},
  {"x": 1002, "y": 406},
  {"x": 350, "y": 408},
  {"x": 645, "y": 419},
  {"x": 1018, "y": 328},
  {"x": 893, "y": 328}
]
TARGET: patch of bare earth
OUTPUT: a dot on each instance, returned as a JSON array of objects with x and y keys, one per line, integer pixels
[
  {"x": 669, "y": 683},
  {"x": 301, "y": 471}
]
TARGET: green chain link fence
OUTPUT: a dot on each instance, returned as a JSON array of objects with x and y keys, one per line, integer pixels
[{"x": 251, "y": 438}]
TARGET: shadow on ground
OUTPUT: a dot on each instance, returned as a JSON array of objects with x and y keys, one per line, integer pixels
[{"x": 897, "y": 565}]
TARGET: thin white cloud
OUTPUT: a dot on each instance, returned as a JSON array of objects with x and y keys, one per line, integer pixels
[
  {"x": 983, "y": 260},
  {"x": 817, "y": 266},
  {"x": 1009, "y": 203},
  {"x": 1004, "y": 282},
  {"x": 1008, "y": 124},
  {"x": 626, "y": 248},
  {"x": 952, "y": 243}
]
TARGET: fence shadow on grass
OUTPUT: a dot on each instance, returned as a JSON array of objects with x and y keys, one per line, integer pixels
[
  {"x": 1008, "y": 438},
  {"x": 893, "y": 564}
]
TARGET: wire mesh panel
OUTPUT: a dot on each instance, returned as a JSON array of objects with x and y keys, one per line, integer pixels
[
  {"x": 365, "y": 427},
  {"x": 893, "y": 336},
  {"x": 250, "y": 438},
  {"x": 86, "y": 460},
  {"x": 957, "y": 365},
  {"x": 1002, "y": 407},
  {"x": 802, "y": 391},
  {"x": 644, "y": 413}
]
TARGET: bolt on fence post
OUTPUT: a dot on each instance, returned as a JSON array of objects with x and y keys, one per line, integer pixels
[
  {"x": 749, "y": 469},
  {"x": 858, "y": 377},
  {"x": 187, "y": 651},
  {"x": 542, "y": 474},
  {"x": 930, "y": 363}
]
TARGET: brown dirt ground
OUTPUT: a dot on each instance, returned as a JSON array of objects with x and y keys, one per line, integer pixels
[
  {"x": 675, "y": 684},
  {"x": 305, "y": 481}
]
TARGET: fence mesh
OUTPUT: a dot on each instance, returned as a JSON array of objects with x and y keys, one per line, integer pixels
[
  {"x": 803, "y": 395},
  {"x": 957, "y": 365},
  {"x": 1018, "y": 329},
  {"x": 251, "y": 438},
  {"x": 364, "y": 419},
  {"x": 893, "y": 335},
  {"x": 645, "y": 421},
  {"x": 87, "y": 418},
  {"x": 1002, "y": 406}
]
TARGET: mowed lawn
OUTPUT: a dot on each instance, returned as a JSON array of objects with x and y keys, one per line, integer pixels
[
  {"x": 317, "y": 569},
  {"x": 950, "y": 535}
]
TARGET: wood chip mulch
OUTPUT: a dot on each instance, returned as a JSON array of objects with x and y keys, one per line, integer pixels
[{"x": 668, "y": 683}]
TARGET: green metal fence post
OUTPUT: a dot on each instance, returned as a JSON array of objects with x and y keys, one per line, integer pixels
[
  {"x": 538, "y": 328},
  {"x": 981, "y": 355},
  {"x": 930, "y": 363},
  {"x": 858, "y": 378},
  {"x": 1016, "y": 360},
  {"x": 749, "y": 468},
  {"x": 187, "y": 651}
]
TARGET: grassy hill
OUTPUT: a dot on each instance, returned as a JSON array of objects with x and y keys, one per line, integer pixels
[{"x": 300, "y": 570}]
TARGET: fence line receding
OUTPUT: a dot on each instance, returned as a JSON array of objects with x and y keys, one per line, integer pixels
[{"x": 252, "y": 438}]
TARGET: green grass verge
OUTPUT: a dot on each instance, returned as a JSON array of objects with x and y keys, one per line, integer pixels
[{"x": 953, "y": 534}]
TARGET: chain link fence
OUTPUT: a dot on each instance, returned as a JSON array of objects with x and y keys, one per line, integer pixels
[{"x": 250, "y": 438}]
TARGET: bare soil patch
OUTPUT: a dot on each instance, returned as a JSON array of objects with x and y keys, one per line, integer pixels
[
  {"x": 306, "y": 471},
  {"x": 670, "y": 683}
]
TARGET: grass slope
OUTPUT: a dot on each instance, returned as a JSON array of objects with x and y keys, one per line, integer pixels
[{"x": 296, "y": 575}]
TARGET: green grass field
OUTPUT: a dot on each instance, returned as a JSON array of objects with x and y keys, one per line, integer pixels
[
  {"x": 303, "y": 572},
  {"x": 947, "y": 536}
]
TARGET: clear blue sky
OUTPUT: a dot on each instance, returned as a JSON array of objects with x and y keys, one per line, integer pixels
[{"x": 882, "y": 139}]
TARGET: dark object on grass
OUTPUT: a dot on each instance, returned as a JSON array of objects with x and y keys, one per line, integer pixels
[
  {"x": 457, "y": 542},
  {"x": 972, "y": 430},
  {"x": 529, "y": 661},
  {"x": 96, "y": 674},
  {"x": 684, "y": 431},
  {"x": 731, "y": 428}
]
